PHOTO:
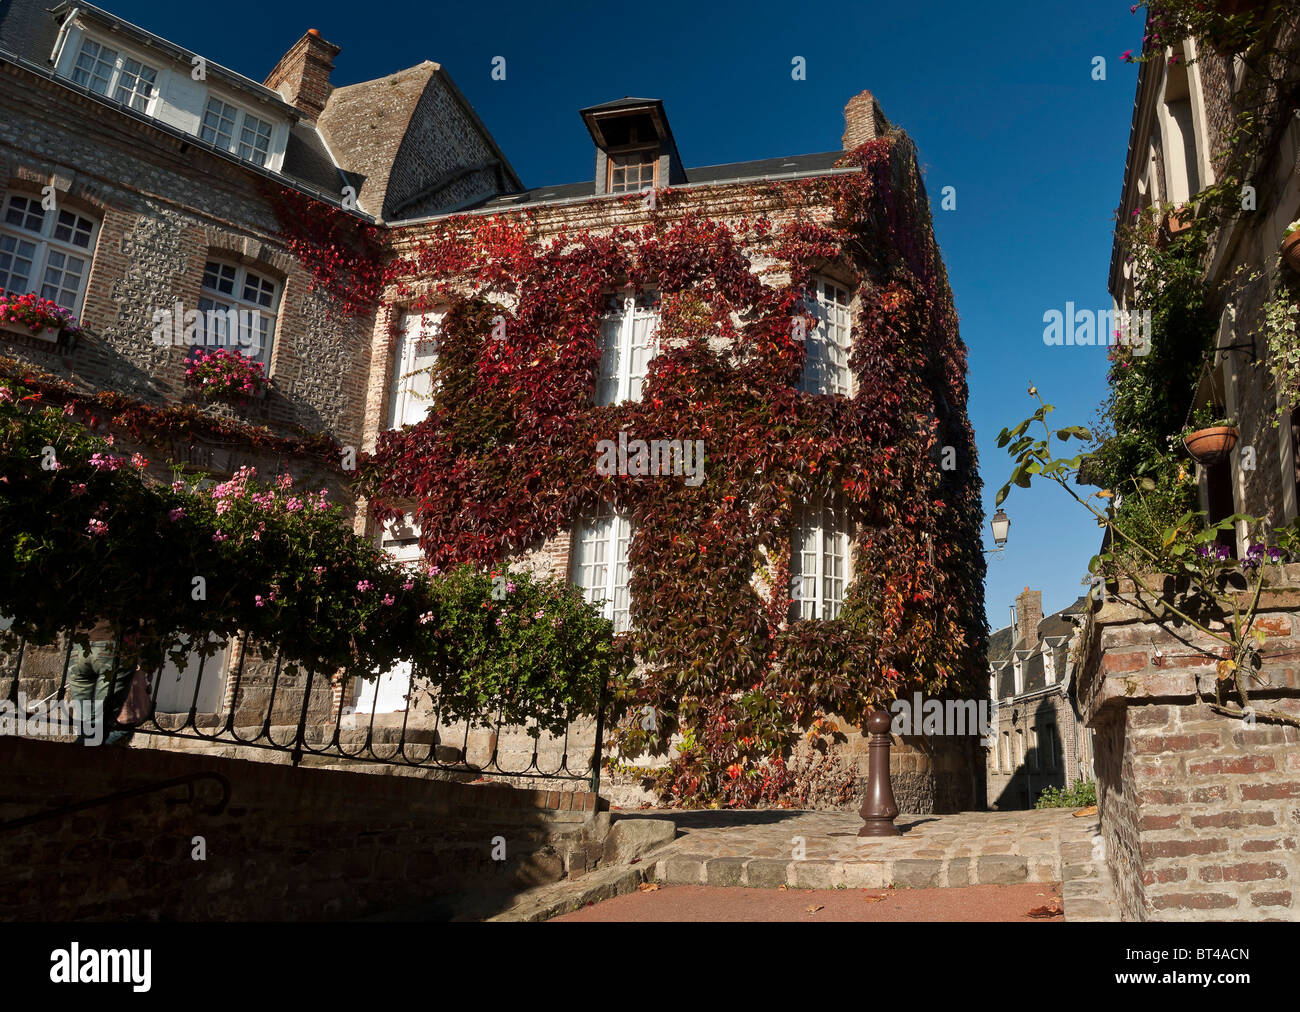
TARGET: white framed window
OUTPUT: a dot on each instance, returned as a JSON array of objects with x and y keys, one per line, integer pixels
[
  {"x": 819, "y": 562},
  {"x": 1019, "y": 673},
  {"x": 400, "y": 539},
  {"x": 248, "y": 301},
  {"x": 46, "y": 252},
  {"x": 599, "y": 562},
  {"x": 219, "y": 123},
  {"x": 628, "y": 334},
  {"x": 107, "y": 72},
  {"x": 826, "y": 366},
  {"x": 1049, "y": 664},
  {"x": 417, "y": 350},
  {"x": 228, "y": 127}
]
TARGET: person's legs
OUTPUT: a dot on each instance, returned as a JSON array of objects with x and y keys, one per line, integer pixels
[{"x": 89, "y": 687}]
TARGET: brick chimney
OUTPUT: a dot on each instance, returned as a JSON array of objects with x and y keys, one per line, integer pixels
[
  {"x": 863, "y": 120},
  {"x": 1029, "y": 612},
  {"x": 302, "y": 77}
]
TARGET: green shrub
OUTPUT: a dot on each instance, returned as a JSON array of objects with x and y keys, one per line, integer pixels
[{"x": 1082, "y": 794}]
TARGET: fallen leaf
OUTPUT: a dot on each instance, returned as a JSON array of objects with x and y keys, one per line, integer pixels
[
  {"x": 875, "y": 899},
  {"x": 649, "y": 887},
  {"x": 1050, "y": 910},
  {"x": 814, "y": 908},
  {"x": 781, "y": 887}
]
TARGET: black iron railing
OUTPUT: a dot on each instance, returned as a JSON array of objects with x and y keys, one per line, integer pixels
[{"x": 218, "y": 700}]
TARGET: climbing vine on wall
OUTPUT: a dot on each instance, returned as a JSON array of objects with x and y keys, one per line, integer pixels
[{"x": 506, "y": 456}]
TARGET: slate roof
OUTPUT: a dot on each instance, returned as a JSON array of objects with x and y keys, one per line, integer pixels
[
  {"x": 1005, "y": 646},
  {"x": 29, "y": 30}
]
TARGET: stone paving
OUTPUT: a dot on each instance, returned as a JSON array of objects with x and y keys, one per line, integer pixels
[{"x": 821, "y": 850}]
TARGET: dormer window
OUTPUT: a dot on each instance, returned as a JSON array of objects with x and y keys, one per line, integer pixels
[
  {"x": 633, "y": 171},
  {"x": 107, "y": 72},
  {"x": 228, "y": 127},
  {"x": 635, "y": 150}
]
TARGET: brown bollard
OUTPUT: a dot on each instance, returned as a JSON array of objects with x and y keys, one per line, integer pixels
[{"x": 878, "y": 809}]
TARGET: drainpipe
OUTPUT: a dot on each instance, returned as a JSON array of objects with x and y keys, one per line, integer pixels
[{"x": 62, "y": 36}]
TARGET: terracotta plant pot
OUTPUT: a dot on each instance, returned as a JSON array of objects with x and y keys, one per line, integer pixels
[
  {"x": 1291, "y": 250},
  {"x": 1209, "y": 446},
  {"x": 1179, "y": 220}
]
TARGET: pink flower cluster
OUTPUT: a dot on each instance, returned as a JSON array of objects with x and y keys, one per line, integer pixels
[
  {"x": 224, "y": 374},
  {"x": 37, "y": 314}
]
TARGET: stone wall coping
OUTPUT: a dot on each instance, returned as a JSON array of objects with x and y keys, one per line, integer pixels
[{"x": 1132, "y": 650}]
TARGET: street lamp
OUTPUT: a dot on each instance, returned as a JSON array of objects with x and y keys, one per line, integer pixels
[{"x": 1001, "y": 523}]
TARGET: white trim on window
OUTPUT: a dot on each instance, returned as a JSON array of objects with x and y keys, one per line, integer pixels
[
  {"x": 411, "y": 389},
  {"x": 820, "y": 562},
  {"x": 228, "y": 286},
  {"x": 46, "y": 252},
  {"x": 599, "y": 562},
  {"x": 826, "y": 366},
  {"x": 628, "y": 333},
  {"x": 400, "y": 540},
  {"x": 227, "y": 126},
  {"x": 107, "y": 71}
]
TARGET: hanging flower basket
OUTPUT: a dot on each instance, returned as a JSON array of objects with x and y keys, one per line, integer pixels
[
  {"x": 1210, "y": 446},
  {"x": 1291, "y": 250}
]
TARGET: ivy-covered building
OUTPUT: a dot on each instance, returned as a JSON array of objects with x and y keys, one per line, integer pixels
[{"x": 728, "y": 402}]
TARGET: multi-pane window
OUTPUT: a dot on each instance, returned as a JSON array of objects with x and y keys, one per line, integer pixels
[
  {"x": 600, "y": 562},
  {"x": 245, "y": 304},
  {"x": 45, "y": 251},
  {"x": 819, "y": 562},
  {"x": 219, "y": 123},
  {"x": 229, "y": 127},
  {"x": 826, "y": 366},
  {"x": 416, "y": 353},
  {"x": 107, "y": 72},
  {"x": 254, "y": 139},
  {"x": 628, "y": 343},
  {"x": 136, "y": 85},
  {"x": 632, "y": 171},
  {"x": 95, "y": 65}
]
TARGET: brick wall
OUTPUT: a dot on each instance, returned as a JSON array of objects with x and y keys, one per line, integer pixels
[
  {"x": 294, "y": 844},
  {"x": 1200, "y": 812}
]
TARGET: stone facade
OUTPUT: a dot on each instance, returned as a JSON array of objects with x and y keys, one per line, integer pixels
[
  {"x": 165, "y": 201},
  {"x": 1037, "y": 738},
  {"x": 1200, "y": 811}
]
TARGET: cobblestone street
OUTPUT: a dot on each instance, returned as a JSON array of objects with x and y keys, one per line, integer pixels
[{"x": 771, "y": 849}]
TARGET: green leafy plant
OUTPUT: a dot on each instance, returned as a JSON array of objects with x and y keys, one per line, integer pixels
[
  {"x": 1080, "y": 794},
  {"x": 1207, "y": 416},
  {"x": 87, "y": 534},
  {"x": 1223, "y": 599}
]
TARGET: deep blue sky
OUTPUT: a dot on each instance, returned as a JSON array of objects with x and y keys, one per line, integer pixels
[{"x": 999, "y": 98}]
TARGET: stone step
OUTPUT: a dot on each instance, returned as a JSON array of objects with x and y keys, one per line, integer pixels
[{"x": 910, "y": 873}]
